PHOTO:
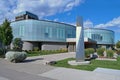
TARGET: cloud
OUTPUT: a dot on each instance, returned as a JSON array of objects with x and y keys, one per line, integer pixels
[
  {"x": 88, "y": 24},
  {"x": 9, "y": 8},
  {"x": 113, "y": 23},
  {"x": 56, "y": 19},
  {"x": 46, "y": 7}
]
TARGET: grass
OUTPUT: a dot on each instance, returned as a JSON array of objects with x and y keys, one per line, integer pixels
[
  {"x": 94, "y": 64},
  {"x": 42, "y": 52}
]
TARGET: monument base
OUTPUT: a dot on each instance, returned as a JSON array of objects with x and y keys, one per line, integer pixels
[{"x": 78, "y": 63}]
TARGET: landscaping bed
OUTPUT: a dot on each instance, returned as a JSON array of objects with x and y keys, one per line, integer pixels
[
  {"x": 93, "y": 65},
  {"x": 44, "y": 52}
]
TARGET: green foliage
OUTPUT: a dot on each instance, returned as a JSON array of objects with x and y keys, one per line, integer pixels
[
  {"x": 2, "y": 54},
  {"x": 18, "y": 44},
  {"x": 45, "y": 52},
  {"x": 6, "y": 33},
  {"x": 118, "y": 52},
  {"x": 110, "y": 53},
  {"x": 89, "y": 51},
  {"x": 118, "y": 59},
  {"x": 16, "y": 56},
  {"x": 93, "y": 65},
  {"x": 1, "y": 51},
  {"x": 36, "y": 49},
  {"x": 100, "y": 51},
  {"x": 118, "y": 44}
]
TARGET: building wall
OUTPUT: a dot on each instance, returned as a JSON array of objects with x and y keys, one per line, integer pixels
[
  {"x": 53, "y": 46},
  {"x": 27, "y": 46},
  {"x": 102, "y": 36},
  {"x": 39, "y": 30},
  {"x": 71, "y": 47}
]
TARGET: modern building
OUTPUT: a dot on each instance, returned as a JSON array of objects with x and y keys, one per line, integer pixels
[
  {"x": 44, "y": 34},
  {"x": 103, "y": 37},
  {"x": 50, "y": 35}
]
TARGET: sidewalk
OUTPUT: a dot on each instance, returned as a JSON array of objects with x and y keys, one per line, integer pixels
[
  {"x": 34, "y": 69},
  {"x": 53, "y": 57},
  {"x": 73, "y": 74}
]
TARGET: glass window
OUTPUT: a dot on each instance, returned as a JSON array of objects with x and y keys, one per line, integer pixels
[
  {"x": 97, "y": 37},
  {"x": 21, "y": 32}
]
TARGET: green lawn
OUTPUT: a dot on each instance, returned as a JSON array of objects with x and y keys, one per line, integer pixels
[{"x": 93, "y": 65}]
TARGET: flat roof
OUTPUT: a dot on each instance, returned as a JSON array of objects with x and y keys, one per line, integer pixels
[{"x": 26, "y": 12}]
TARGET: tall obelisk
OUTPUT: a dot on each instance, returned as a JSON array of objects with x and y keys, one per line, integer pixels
[{"x": 80, "y": 56}]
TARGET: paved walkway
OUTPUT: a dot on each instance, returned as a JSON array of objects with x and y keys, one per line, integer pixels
[
  {"x": 33, "y": 69},
  {"x": 53, "y": 57},
  {"x": 73, "y": 74}
]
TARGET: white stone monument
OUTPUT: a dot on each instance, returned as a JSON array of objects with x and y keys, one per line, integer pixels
[{"x": 80, "y": 55}]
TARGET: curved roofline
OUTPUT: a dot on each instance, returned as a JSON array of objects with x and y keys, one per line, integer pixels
[
  {"x": 99, "y": 29},
  {"x": 48, "y": 21}
]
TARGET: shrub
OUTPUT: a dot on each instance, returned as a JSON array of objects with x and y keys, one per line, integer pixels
[
  {"x": 18, "y": 44},
  {"x": 100, "y": 51},
  {"x": 36, "y": 49},
  {"x": 2, "y": 52},
  {"x": 89, "y": 51},
  {"x": 118, "y": 52},
  {"x": 118, "y": 58},
  {"x": 110, "y": 53},
  {"x": 118, "y": 44},
  {"x": 45, "y": 52},
  {"x": 16, "y": 56}
]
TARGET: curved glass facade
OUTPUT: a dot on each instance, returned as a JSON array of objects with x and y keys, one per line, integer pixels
[
  {"x": 41, "y": 30},
  {"x": 102, "y": 36}
]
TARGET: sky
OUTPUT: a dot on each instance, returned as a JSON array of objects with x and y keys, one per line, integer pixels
[{"x": 103, "y": 14}]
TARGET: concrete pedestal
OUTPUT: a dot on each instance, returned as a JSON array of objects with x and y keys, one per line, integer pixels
[{"x": 78, "y": 63}]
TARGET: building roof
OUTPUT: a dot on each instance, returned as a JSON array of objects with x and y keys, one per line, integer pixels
[{"x": 29, "y": 13}]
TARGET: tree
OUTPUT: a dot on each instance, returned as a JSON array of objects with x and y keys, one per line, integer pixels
[
  {"x": 6, "y": 33},
  {"x": 118, "y": 44},
  {"x": 18, "y": 44}
]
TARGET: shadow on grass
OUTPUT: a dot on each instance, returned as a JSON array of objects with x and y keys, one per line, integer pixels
[{"x": 32, "y": 60}]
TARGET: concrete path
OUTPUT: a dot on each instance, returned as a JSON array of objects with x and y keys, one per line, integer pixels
[
  {"x": 108, "y": 71},
  {"x": 53, "y": 57},
  {"x": 22, "y": 71},
  {"x": 33, "y": 69},
  {"x": 73, "y": 74}
]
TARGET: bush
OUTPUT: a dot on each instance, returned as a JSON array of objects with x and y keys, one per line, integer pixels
[
  {"x": 2, "y": 52},
  {"x": 100, "y": 51},
  {"x": 118, "y": 44},
  {"x": 45, "y": 52},
  {"x": 18, "y": 44},
  {"x": 16, "y": 56},
  {"x": 36, "y": 49},
  {"x": 89, "y": 51},
  {"x": 118, "y": 58},
  {"x": 110, "y": 53},
  {"x": 118, "y": 52}
]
